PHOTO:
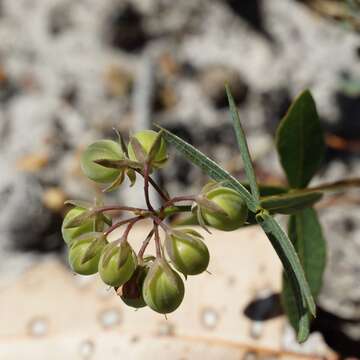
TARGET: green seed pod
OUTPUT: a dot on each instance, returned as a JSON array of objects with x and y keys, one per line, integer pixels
[
  {"x": 187, "y": 251},
  {"x": 147, "y": 138},
  {"x": 84, "y": 256},
  {"x": 102, "y": 149},
  {"x": 117, "y": 264},
  {"x": 163, "y": 289},
  {"x": 131, "y": 291},
  {"x": 233, "y": 206},
  {"x": 70, "y": 234}
]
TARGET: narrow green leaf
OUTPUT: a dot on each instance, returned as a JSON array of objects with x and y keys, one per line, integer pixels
[
  {"x": 306, "y": 235},
  {"x": 300, "y": 141},
  {"x": 268, "y": 190},
  {"x": 293, "y": 269},
  {"x": 210, "y": 167},
  {"x": 243, "y": 146},
  {"x": 291, "y": 202}
]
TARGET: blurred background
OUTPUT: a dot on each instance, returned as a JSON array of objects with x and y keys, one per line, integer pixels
[{"x": 71, "y": 71}]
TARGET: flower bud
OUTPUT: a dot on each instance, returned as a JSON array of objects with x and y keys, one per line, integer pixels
[
  {"x": 70, "y": 234},
  {"x": 117, "y": 264},
  {"x": 84, "y": 256},
  {"x": 163, "y": 289},
  {"x": 147, "y": 138},
  {"x": 187, "y": 251},
  {"x": 102, "y": 149},
  {"x": 234, "y": 210}
]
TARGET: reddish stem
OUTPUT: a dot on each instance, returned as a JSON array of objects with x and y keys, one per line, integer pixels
[
  {"x": 157, "y": 241},
  {"x": 178, "y": 199},
  {"x": 158, "y": 221},
  {"x": 118, "y": 208},
  {"x": 132, "y": 221},
  {"x": 146, "y": 187},
  {"x": 145, "y": 244},
  {"x": 129, "y": 227},
  {"x": 154, "y": 185}
]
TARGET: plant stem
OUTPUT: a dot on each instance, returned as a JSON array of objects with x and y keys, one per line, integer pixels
[
  {"x": 146, "y": 187},
  {"x": 154, "y": 185},
  {"x": 178, "y": 199},
  {"x": 145, "y": 244},
  {"x": 129, "y": 227},
  {"x": 158, "y": 221},
  {"x": 157, "y": 241},
  {"x": 132, "y": 221},
  {"x": 337, "y": 185}
]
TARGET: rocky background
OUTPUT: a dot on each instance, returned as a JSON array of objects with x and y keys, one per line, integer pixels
[{"x": 71, "y": 71}]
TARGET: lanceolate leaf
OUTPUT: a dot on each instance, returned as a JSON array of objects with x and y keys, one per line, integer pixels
[
  {"x": 307, "y": 238},
  {"x": 293, "y": 269},
  {"x": 291, "y": 202},
  {"x": 268, "y": 190},
  {"x": 210, "y": 167},
  {"x": 244, "y": 150},
  {"x": 300, "y": 141}
]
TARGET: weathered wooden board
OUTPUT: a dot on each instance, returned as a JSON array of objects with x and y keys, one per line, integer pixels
[{"x": 52, "y": 314}]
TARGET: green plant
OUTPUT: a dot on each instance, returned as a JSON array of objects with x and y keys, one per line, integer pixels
[{"x": 225, "y": 203}]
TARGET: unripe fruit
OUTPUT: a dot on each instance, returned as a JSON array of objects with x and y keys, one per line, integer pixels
[
  {"x": 109, "y": 270},
  {"x": 70, "y": 234},
  {"x": 146, "y": 139},
  {"x": 163, "y": 289},
  {"x": 187, "y": 252},
  {"x": 76, "y": 255},
  {"x": 131, "y": 291},
  {"x": 231, "y": 203},
  {"x": 102, "y": 149}
]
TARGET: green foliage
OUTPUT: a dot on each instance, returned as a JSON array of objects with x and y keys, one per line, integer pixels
[
  {"x": 290, "y": 202},
  {"x": 290, "y": 146},
  {"x": 225, "y": 204},
  {"x": 305, "y": 305},
  {"x": 306, "y": 235},
  {"x": 300, "y": 141},
  {"x": 244, "y": 150},
  {"x": 210, "y": 167}
]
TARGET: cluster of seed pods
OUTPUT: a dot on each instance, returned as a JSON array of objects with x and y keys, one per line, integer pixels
[{"x": 143, "y": 280}]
